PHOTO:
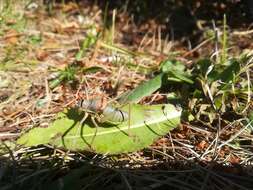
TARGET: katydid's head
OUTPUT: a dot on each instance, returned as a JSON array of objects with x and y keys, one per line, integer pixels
[
  {"x": 91, "y": 105},
  {"x": 79, "y": 103}
]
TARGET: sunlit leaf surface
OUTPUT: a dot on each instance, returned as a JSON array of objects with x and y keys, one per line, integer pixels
[{"x": 146, "y": 124}]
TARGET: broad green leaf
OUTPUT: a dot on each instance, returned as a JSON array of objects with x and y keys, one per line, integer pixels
[
  {"x": 225, "y": 73},
  {"x": 197, "y": 94},
  {"x": 169, "y": 71},
  {"x": 230, "y": 71},
  {"x": 175, "y": 71},
  {"x": 146, "y": 124},
  {"x": 179, "y": 77},
  {"x": 171, "y": 65},
  {"x": 144, "y": 89},
  {"x": 93, "y": 69},
  {"x": 202, "y": 67}
]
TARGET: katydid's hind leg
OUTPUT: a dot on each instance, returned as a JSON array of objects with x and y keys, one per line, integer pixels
[
  {"x": 96, "y": 125},
  {"x": 129, "y": 124},
  {"x": 80, "y": 126},
  {"x": 129, "y": 120}
]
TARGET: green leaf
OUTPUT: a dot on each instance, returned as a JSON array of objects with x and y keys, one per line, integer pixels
[
  {"x": 230, "y": 71},
  {"x": 215, "y": 72},
  {"x": 146, "y": 124},
  {"x": 144, "y": 89},
  {"x": 175, "y": 71},
  {"x": 179, "y": 77},
  {"x": 202, "y": 67},
  {"x": 171, "y": 65},
  {"x": 171, "y": 71},
  {"x": 56, "y": 82},
  {"x": 197, "y": 94},
  {"x": 68, "y": 74},
  {"x": 34, "y": 39},
  {"x": 87, "y": 43},
  {"x": 92, "y": 69}
]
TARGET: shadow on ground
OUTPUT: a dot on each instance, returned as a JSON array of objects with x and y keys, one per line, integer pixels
[
  {"x": 58, "y": 174},
  {"x": 185, "y": 18}
]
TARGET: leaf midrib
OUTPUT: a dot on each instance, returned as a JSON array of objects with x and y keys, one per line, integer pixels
[{"x": 134, "y": 126}]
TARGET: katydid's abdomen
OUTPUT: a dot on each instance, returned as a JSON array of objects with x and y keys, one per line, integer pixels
[
  {"x": 114, "y": 114},
  {"x": 109, "y": 113}
]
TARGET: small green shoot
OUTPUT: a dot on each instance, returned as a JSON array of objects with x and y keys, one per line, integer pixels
[
  {"x": 66, "y": 75},
  {"x": 224, "y": 41},
  {"x": 89, "y": 41},
  {"x": 120, "y": 50},
  {"x": 34, "y": 39}
]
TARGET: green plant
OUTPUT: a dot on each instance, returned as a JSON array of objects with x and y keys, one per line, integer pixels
[
  {"x": 87, "y": 43},
  {"x": 145, "y": 124},
  {"x": 223, "y": 58},
  {"x": 67, "y": 75}
]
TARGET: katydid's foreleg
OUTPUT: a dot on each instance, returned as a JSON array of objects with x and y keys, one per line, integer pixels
[
  {"x": 81, "y": 128},
  {"x": 96, "y": 125},
  {"x": 83, "y": 119}
]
